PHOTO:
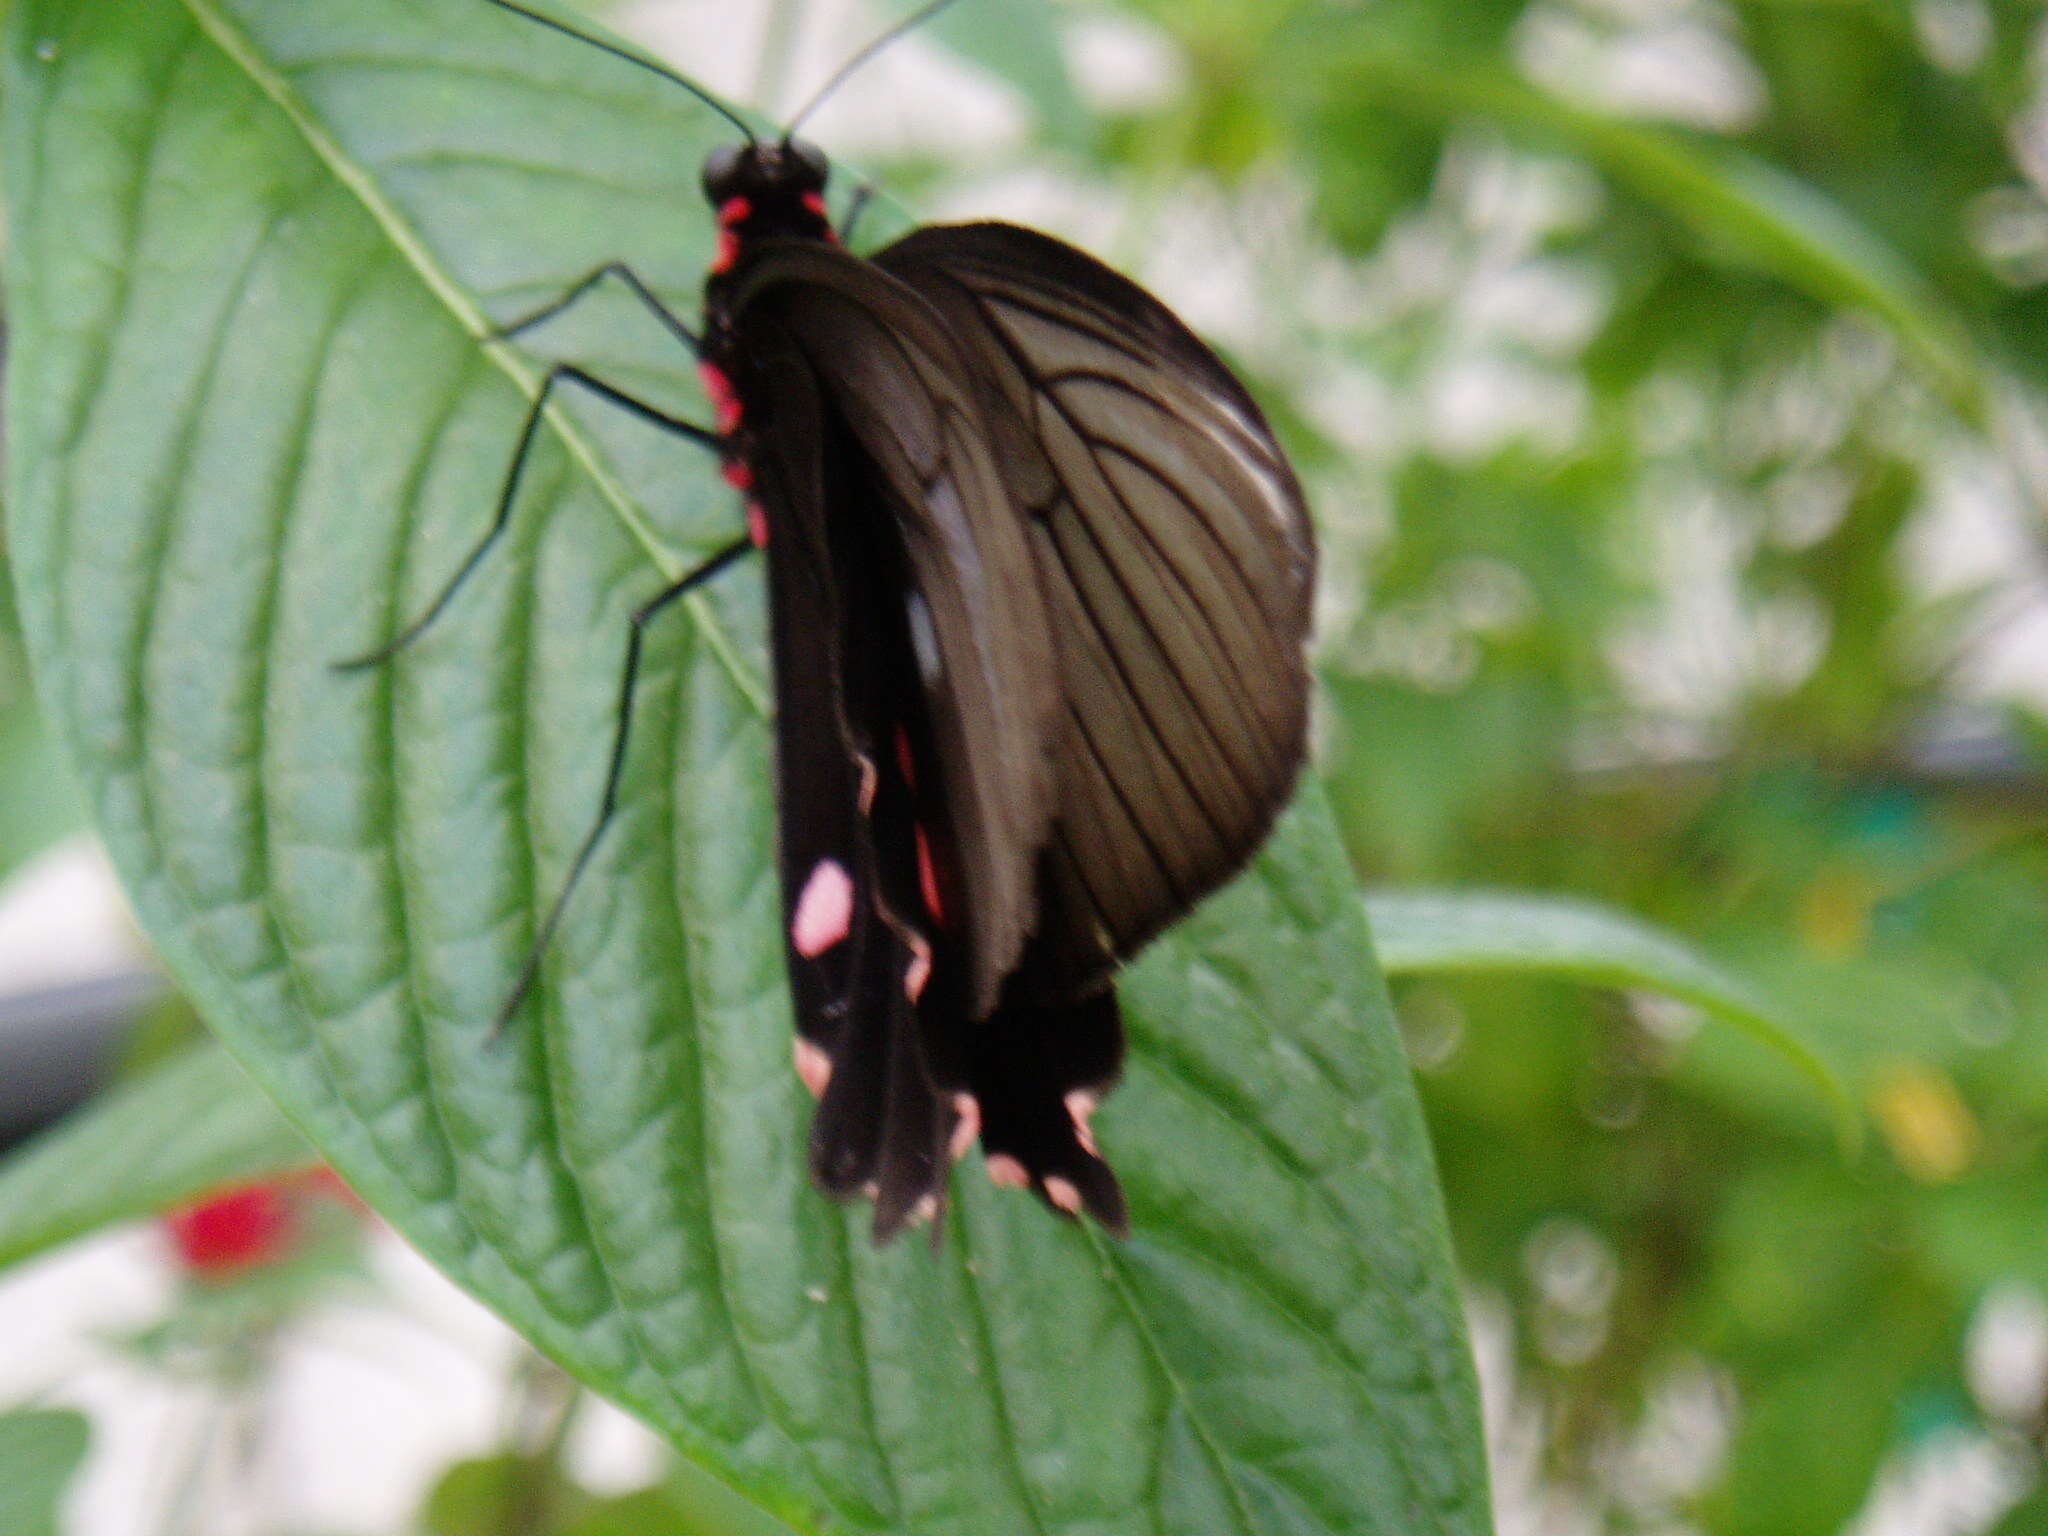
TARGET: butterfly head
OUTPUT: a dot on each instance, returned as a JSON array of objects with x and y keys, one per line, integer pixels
[{"x": 769, "y": 189}]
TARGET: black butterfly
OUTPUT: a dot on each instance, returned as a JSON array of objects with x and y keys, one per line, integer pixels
[{"x": 1040, "y": 580}]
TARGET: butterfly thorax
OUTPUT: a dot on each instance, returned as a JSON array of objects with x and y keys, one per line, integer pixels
[{"x": 764, "y": 191}]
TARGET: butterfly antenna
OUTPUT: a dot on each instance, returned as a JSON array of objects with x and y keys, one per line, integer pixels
[
  {"x": 910, "y": 23},
  {"x": 631, "y": 57}
]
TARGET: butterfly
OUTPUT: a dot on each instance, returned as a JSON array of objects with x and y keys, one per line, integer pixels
[{"x": 1039, "y": 581}]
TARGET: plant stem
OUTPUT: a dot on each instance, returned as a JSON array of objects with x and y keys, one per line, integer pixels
[{"x": 540, "y": 1387}]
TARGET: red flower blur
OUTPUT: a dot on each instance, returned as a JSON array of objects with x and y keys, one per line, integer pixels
[
  {"x": 235, "y": 1230},
  {"x": 245, "y": 1226}
]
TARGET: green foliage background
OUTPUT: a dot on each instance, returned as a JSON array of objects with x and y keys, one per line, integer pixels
[{"x": 1810, "y": 324}]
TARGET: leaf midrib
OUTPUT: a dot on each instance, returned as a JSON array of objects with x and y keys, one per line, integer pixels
[{"x": 414, "y": 249}]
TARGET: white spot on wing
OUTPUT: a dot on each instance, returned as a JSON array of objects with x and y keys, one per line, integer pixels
[
  {"x": 1080, "y": 1105},
  {"x": 967, "y": 1128},
  {"x": 824, "y": 912},
  {"x": 919, "y": 971},
  {"x": 813, "y": 1066}
]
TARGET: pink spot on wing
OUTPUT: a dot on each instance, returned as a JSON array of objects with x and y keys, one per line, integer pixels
[
  {"x": 1005, "y": 1172},
  {"x": 757, "y": 525},
  {"x": 1080, "y": 1105},
  {"x": 967, "y": 1128},
  {"x": 738, "y": 474},
  {"x": 919, "y": 972},
  {"x": 1062, "y": 1193},
  {"x": 813, "y": 1066},
  {"x": 824, "y": 912}
]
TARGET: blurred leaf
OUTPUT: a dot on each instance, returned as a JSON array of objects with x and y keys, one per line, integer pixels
[
  {"x": 2029, "y": 1517},
  {"x": 493, "y": 1495},
  {"x": 647, "y": 1513},
  {"x": 38, "y": 805},
  {"x": 40, "y": 1449},
  {"x": 707, "y": 1506},
  {"x": 1813, "y": 1435},
  {"x": 1745, "y": 209},
  {"x": 1451, "y": 931},
  {"x": 187, "y": 1127},
  {"x": 254, "y": 244},
  {"x": 1018, "y": 41},
  {"x": 668, "y": 1511}
]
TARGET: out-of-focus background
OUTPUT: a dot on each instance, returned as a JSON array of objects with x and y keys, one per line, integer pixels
[{"x": 1671, "y": 381}]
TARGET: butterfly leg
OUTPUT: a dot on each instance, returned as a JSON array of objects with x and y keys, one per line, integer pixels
[
  {"x": 615, "y": 772},
  {"x": 623, "y": 273},
  {"x": 508, "y": 494}
]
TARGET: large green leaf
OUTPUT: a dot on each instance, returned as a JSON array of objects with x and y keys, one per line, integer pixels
[{"x": 251, "y": 424}]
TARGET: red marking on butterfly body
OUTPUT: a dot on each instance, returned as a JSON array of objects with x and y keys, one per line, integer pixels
[
  {"x": 928, "y": 879},
  {"x": 724, "y": 403},
  {"x": 738, "y": 474},
  {"x": 814, "y": 203}
]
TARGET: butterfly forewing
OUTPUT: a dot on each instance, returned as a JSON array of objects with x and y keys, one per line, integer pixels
[
  {"x": 892, "y": 373},
  {"x": 1176, "y": 562},
  {"x": 911, "y": 644}
]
